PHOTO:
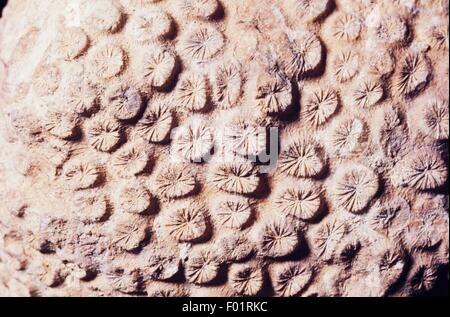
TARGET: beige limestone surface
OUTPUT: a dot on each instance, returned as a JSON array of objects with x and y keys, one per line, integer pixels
[{"x": 129, "y": 131}]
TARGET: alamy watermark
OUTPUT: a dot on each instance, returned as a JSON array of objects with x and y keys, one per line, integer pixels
[{"x": 229, "y": 144}]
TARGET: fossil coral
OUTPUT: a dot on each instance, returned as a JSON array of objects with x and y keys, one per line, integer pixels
[
  {"x": 90, "y": 206},
  {"x": 224, "y": 148},
  {"x": 389, "y": 268},
  {"x": 302, "y": 200},
  {"x": 435, "y": 119},
  {"x": 439, "y": 37},
  {"x": 156, "y": 122},
  {"x": 201, "y": 42},
  {"x": 347, "y": 27},
  {"x": 150, "y": 24},
  {"x": 345, "y": 65},
  {"x": 381, "y": 63},
  {"x": 423, "y": 277},
  {"x": 246, "y": 280},
  {"x": 301, "y": 53},
  {"x": 157, "y": 66},
  {"x": 393, "y": 131},
  {"x": 122, "y": 279},
  {"x": 392, "y": 29},
  {"x": 292, "y": 279},
  {"x": 202, "y": 267},
  {"x": 104, "y": 134},
  {"x": 82, "y": 98},
  {"x": 233, "y": 212},
  {"x": 193, "y": 141},
  {"x": 301, "y": 158},
  {"x": 71, "y": 43},
  {"x": 227, "y": 85},
  {"x": 200, "y": 8},
  {"x": 279, "y": 238},
  {"x": 425, "y": 229},
  {"x": 106, "y": 60},
  {"x": 245, "y": 138},
  {"x": 413, "y": 76},
  {"x": 62, "y": 124},
  {"x": 274, "y": 93},
  {"x": 355, "y": 187},
  {"x": 129, "y": 232},
  {"x": 320, "y": 106},
  {"x": 390, "y": 216},
  {"x": 176, "y": 181},
  {"x": 348, "y": 137},
  {"x": 130, "y": 160},
  {"x": 133, "y": 198},
  {"x": 46, "y": 80},
  {"x": 368, "y": 94},
  {"x": 327, "y": 237},
  {"x": 238, "y": 177},
  {"x": 81, "y": 174},
  {"x": 162, "y": 264},
  {"x": 310, "y": 10},
  {"x": 125, "y": 102},
  {"x": 103, "y": 16},
  {"x": 193, "y": 92},
  {"x": 424, "y": 170},
  {"x": 187, "y": 223},
  {"x": 236, "y": 248}
]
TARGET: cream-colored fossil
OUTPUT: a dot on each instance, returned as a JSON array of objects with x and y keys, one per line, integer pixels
[
  {"x": 106, "y": 61},
  {"x": 71, "y": 43},
  {"x": 81, "y": 174},
  {"x": 150, "y": 24},
  {"x": 201, "y": 42},
  {"x": 104, "y": 134},
  {"x": 238, "y": 177},
  {"x": 156, "y": 122},
  {"x": 131, "y": 160},
  {"x": 301, "y": 158},
  {"x": 236, "y": 247},
  {"x": 187, "y": 222},
  {"x": 245, "y": 137},
  {"x": 346, "y": 65},
  {"x": 176, "y": 181},
  {"x": 233, "y": 212},
  {"x": 124, "y": 101},
  {"x": 90, "y": 206},
  {"x": 156, "y": 66},
  {"x": 193, "y": 92},
  {"x": 320, "y": 106},
  {"x": 279, "y": 238},
  {"x": 355, "y": 187},
  {"x": 202, "y": 267},
  {"x": 301, "y": 200},
  {"x": 224, "y": 148},
  {"x": 62, "y": 124},
  {"x": 194, "y": 141},
  {"x": 163, "y": 264},
  {"x": 435, "y": 119},
  {"x": 246, "y": 280},
  {"x": 133, "y": 198},
  {"x": 292, "y": 279}
]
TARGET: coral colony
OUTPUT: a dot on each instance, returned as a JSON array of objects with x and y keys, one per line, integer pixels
[{"x": 223, "y": 148}]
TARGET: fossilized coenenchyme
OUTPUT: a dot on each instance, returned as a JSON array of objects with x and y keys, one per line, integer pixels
[{"x": 98, "y": 98}]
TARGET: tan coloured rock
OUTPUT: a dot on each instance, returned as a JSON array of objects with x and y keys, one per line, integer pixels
[{"x": 102, "y": 196}]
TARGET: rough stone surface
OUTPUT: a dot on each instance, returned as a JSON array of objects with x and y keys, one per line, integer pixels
[{"x": 93, "y": 202}]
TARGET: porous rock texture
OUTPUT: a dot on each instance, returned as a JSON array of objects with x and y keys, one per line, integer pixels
[{"x": 94, "y": 204}]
